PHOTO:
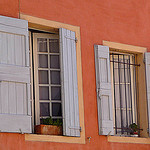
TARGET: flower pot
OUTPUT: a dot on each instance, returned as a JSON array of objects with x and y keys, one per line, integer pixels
[
  {"x": 48, "y": 129},
  {"x": 135, "y": 134}
]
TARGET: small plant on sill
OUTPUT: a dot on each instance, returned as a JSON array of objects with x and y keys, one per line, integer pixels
[
  {"x": 50, "y": 121},
  {"x": 49, "y": 127},
  {"x": 134, "y": 129}
]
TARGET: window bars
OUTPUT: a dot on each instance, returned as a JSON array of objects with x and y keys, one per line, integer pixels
[{"x": 123, "y": 72}]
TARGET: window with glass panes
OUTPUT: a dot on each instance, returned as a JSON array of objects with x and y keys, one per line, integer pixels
[
  {"x": 47, "y": 79},
  {"x": 123, "y": 74}
]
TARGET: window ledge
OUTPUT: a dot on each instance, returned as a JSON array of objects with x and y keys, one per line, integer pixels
[
  {"x": 53, "y": 138},
  {"x": 119, "y": 139}
]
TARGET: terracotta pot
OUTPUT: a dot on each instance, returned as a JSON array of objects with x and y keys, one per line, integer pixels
[{"x": 48, "y": 129}]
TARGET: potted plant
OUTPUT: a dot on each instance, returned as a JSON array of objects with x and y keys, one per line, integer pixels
[
  {"x": 133, "y": 129},
  {"x": 49, "y": 127}
]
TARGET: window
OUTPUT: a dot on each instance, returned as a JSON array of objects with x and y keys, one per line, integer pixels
[
  {"x": 48, "y": 83},
  {"x": 121, "y": 89},
  {"x": 123, "y": 77},
  {"x": 55, "y": 79},
  {"x": 55, "y": 67}
]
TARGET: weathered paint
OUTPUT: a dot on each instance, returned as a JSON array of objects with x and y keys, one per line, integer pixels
[{"x": 123, "y": 21}]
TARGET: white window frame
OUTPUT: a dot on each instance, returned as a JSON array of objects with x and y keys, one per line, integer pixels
[
  {"x": 53, "y": 26},
  {"x": 36, "y": 69},
  {"x": 141, "y": 97}
]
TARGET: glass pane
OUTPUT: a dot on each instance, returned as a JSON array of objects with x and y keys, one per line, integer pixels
[
  {"x": 43, "y": 61},
  {"x": 54, "y": 45},
  {"x": 124, "y": 121},
  {"x": 56, "y": 109},
  {"x": 122, "y": 80},
  {"x": 54, "y": 62},
  {"x": 116, "y": 75},
  {"x": 55, "y": 77},
  {"x": 118, "y": 118},
  {"x": 43, "y": 93},
  {"x": 117, "y": 96},
  {"x": 44, "y": 109},
  {"x": 123, "y": 96},
  {"x": 129, "y": 117},
  {"x": 42, "y": 44},
  {"x": 56, "y": 93},
  {"x": 43, "y": 77}
]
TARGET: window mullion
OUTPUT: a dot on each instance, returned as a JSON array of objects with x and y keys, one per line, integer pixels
[{"x": 49, "y": 76}]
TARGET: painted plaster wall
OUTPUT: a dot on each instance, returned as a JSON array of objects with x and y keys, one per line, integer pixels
[
  {"x": 9, "y": 8},
  {"x": 123, "y": 21}
]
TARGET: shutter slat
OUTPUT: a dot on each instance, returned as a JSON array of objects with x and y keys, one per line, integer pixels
[
  {"x": 14, "y": 76},
  {"x": 28, "y": 99},
  {"x": 20, "y": 98},
  {"x": 12, "y": 98},
  {"x": 19, "y": 123},
  {"x": 147, "y": 67},
  {"x": 14, "y": 73},
  {"x": 12, "y": 30},
  {"x": 13, "y": 22},
  {"x": 4, "y": 97},
  {"x": 4, "y": 47},
  {"x": 103, "y": 85},
  {"x": 71, "y": 125},
  {"x": 11, "y": 46}
]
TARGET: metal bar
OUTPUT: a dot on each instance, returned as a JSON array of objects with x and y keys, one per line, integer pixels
[
  {"x": 125, "y": 93},
  {"x": 126, "y": 63},
  {"x": 129, "y": 128},
  {"x": 120, "y": 95},
  {"x": 129, "y": 119},
  {"x": 114, "y": 95},
  {"x": 130, "y": 91},
  {"x": 135, "y": 92}
]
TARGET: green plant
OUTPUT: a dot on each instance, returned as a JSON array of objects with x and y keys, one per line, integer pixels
[
  {"x": 50, "y": 121},
  {"x": 133, "y": 127}
]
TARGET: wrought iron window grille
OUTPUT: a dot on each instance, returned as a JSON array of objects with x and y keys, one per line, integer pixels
[{"x": 123, "y": 71}]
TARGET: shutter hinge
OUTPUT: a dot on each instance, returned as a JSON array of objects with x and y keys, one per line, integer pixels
[
  {"x": 20, "y": 131},
  {"x": 76, "y": 40},
  {"x": 98, "y": 92}
]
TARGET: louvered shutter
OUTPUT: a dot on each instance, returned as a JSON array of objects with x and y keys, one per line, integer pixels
[
  {"x": 103, "y": 85},
  {"x": 71, "y": 125},
  {"x": 147, "y": 67},
  {"x": 15, "y": 111}
]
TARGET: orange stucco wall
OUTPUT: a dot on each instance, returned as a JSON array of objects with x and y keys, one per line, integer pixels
[{"x": 123, "y": 21}]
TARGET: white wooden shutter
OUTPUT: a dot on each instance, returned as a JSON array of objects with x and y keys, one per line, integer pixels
[
  {"x": 71, "y": 125},
  {"x": 15, "y": 111},
  {"x": 103, "y": 85},
  {"x": 147, "y": 67}
]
